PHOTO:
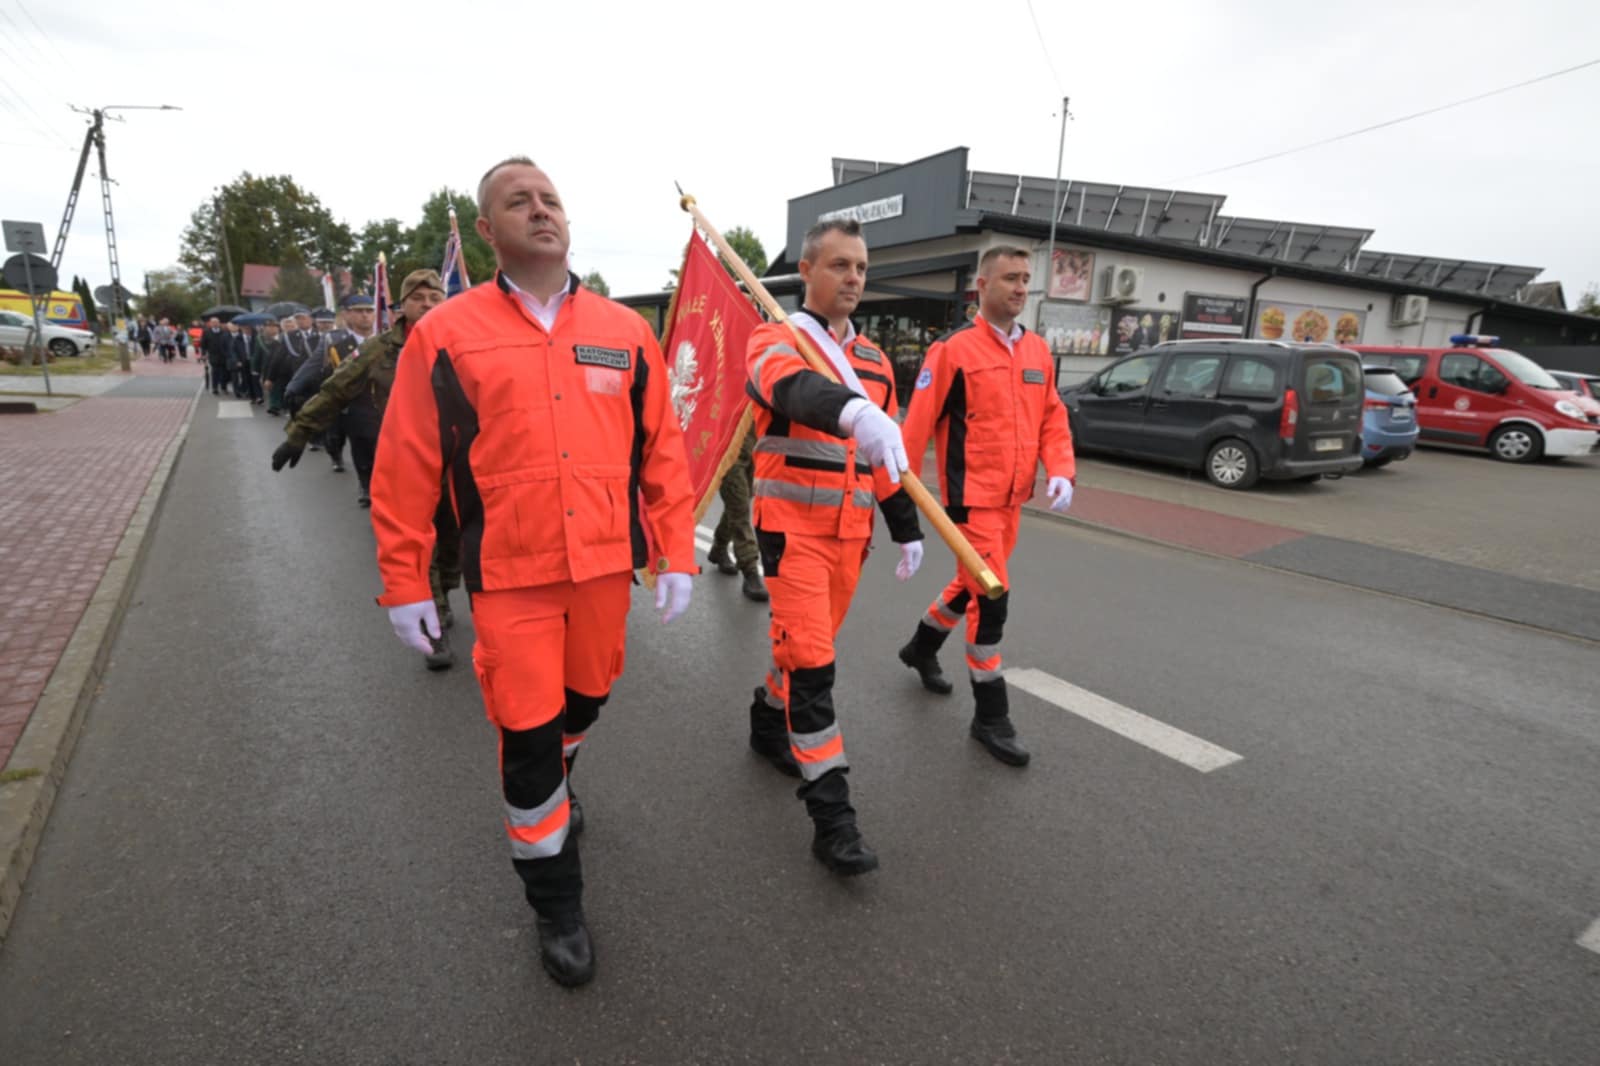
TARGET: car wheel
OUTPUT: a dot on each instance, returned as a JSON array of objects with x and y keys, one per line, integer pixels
[
  {"x": 1379, "y": 463},
  {"x": 1231, "y": 464},
  {"x": 1516, "y": 444},
  {"x": 62, "y": 348}
]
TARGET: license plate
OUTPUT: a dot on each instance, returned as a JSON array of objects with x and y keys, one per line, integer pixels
[
  {"x": 1327, "y": 444},
  {"x": 1401, "y": 414}
]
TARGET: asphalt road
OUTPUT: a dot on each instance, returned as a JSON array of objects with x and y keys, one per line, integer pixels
[{"x": 278, "y": 841}]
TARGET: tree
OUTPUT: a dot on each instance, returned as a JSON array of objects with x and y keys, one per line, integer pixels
[
  {"x": 748, "y": 245},
  {"x": 81, "y": 287},
  {"x": 426, "y": 248},
  {"x": 594, "y": 282},
  {"x": 269, "y": 220},
  {"x": 387, "y": 236},
  {"x": 1589, "y": 302},
  {"x": 743, "y": 241},
  {"x": 176, "y": 295},
  {"x": 296, "y": 283}
]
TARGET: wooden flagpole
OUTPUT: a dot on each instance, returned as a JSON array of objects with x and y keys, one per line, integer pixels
[{"x": 948, "y": 531}]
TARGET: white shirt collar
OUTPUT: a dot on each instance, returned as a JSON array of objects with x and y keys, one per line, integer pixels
[
  {"x": 545, "y": 311},
  {"x": 849, "y": 326},
  {"x": 1009, "y": 340}
]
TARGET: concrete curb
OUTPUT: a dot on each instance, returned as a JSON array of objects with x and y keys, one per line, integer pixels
[{"x": 47, "y": 743}]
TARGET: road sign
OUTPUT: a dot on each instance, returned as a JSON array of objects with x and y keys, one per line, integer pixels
[
  {"x": 31, "y": 274},
  {"x": 103, "y": 295},
  {"x": 24, "y": 236}
]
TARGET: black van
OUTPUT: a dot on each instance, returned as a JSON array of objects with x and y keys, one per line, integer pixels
[{"x": 1239, "y": 410}]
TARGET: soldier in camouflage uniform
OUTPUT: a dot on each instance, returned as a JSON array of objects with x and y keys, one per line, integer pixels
[
  {"x": 360, "y": 388},
  {"x": 735, "y": 527}
]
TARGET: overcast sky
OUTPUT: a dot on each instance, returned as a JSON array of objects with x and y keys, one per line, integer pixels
[{"x": 746, "y": 109}]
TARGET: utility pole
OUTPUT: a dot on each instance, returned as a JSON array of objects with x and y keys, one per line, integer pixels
[
  {"x": 95, "y": 137},
  {"x": 225, "y": 264},
  {"x": 1050, "y": 259}
]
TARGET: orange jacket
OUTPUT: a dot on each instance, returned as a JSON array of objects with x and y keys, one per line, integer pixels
[
  {"x": 548, "y": 439},
  {"x": 807, "y": 478},
  {"x": 995, "y": 413}
]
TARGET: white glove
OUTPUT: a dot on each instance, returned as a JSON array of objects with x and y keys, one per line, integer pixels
[
  {"x": 910, "y": 560},
  {"x": 409, "y": 621},
  {"x": 1059, "y": 489},
  {"x": 877, "y": 435},
  {"x": 672, "y": 595}
]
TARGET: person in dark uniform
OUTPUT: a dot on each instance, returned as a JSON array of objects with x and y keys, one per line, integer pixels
[
  {"x": 734, "y": 528},
  {"x": 359, "y": 388},
  {"x": 218, "y": 348}
]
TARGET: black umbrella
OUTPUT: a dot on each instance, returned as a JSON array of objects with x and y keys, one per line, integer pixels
[
  {"x": 254, "y": 318},
  {"x": 287, "y": 308},
  {"x": 227, "y": 312}
]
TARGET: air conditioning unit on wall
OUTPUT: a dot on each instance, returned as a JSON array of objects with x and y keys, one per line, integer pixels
[
  {"x": 1121, "y": 284},
  {"x": 1408, "y": 310}
]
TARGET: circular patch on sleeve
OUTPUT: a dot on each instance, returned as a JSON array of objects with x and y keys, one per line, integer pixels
[{"x": 925, "y": 378}]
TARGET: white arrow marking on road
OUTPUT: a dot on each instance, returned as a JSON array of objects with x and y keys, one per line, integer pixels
[
  {"x": 1174, "y": 743},
  {"x": 1591, "y": 938},
  {"x": 233, "y": 409}
]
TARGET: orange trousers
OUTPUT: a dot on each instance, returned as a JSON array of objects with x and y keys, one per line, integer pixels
[
  {"x": 812, "y": 580},
  {"x": 992, "y": 531},
  {"x": 546, "y": 659}
]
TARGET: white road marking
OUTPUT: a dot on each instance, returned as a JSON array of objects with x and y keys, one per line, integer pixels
[
  {"x": 1174, "y": 743},
  {"x": 233, "y": 409},
  {"x": 1591, "y": 938}
]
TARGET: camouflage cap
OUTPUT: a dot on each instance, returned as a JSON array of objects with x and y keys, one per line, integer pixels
[{"x": 420, "y": 279}]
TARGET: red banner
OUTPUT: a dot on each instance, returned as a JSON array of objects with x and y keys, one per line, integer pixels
[{"x": 710, "y": 325}]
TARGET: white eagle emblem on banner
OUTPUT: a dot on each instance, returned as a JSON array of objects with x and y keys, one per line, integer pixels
[{"x": 685, "y": 383}]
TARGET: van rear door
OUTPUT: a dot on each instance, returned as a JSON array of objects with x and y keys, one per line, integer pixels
[{"x": 1331, "y": 391}]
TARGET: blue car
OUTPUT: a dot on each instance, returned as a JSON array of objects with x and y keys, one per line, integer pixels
[{"x": 1388, "y": 417}]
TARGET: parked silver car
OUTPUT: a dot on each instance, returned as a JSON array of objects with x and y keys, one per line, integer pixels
[{"x": 63, "y": 341}]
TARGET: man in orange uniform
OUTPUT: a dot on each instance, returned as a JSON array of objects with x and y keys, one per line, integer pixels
[
  {"x": 825, "y": 453},
  {"x": 987, "y": 391},
  {"x": 547, "y": 407}
]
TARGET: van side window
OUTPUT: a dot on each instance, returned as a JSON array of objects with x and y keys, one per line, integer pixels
[
  {"x": 1194, "y": 376},
  {"x": 1470, "y": 372},
  {"x": 1251, "y": 378},
  {"x": 1410, "y": 367},
  {"x": 1131, "y": 376}
]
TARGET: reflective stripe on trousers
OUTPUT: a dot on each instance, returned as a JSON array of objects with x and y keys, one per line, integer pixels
[{"x": 540, "y": 832}]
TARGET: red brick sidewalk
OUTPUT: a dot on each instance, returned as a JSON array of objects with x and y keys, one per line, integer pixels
[{"x": 68, "y": 487}]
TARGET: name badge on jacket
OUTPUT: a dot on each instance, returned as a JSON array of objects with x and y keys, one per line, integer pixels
[
  {"x": 1033, "y": 377},
  {"x": 615, "y": 358}
]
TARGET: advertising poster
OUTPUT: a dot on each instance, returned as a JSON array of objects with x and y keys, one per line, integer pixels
[
  {"x": 1134, "y": 329},
  {"x": 1277, "y": 321},
  {"x": 1075, "y": 329},
  {"x": 1071, "y": 275},
  {"x": 1213, "y": 316}
]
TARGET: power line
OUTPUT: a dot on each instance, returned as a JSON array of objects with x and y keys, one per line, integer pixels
[
  {"x": 1037, "y": 32},
  {"x": 1391, "y": 122},
  {"x": 24, "y": 9},
  {"x": 19, "y": 43}
]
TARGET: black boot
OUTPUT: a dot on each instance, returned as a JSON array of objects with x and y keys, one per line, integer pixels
[
  {"x": 566, "y": 950},
  {"x": 837, "y": 843},
  {"x": 441, "y": 657},
  {"x": 769, "y": 735},
  {"x": 991, "y": 725},
  {"x": 718, "y": 557},
  {"x": 754, "y": 588},
  {"x": 922, "y": 655}
]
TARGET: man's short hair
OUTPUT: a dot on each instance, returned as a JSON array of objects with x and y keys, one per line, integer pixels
[
  {"x": 1002, "y": 251},
  {"x": 483, "y": 182},
  {"x": 847, "y": 226}
]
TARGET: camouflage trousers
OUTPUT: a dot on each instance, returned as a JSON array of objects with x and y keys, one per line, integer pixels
[
  {"x": 734, "y": 527},
  {"x": 444, "y": 573}
]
